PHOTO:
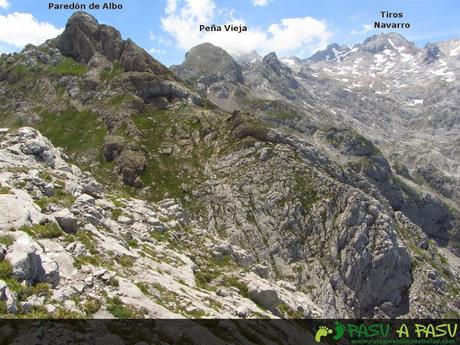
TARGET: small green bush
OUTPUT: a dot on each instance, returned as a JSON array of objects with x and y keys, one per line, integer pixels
[
  {"x": 48, "y": 230},
  {"x": 91, "y": 306},
  {"x": 5, "y": 190},
  {"x": 126, "y": 261},
  {"x": 119, "y": 310},
  {"x": 132, "y": 243},
  {"x": 5, "y": 269},
  {"x": 6, "y": 240}
]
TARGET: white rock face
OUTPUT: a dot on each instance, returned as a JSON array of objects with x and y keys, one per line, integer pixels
[
  {"x": 264, "y": 294},
  {"x": 29, "y": 263},
  {"x": 18, "y": 209},
  {"x": 140, "y": 255}
]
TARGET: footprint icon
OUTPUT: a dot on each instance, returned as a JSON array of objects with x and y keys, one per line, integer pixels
[{"x": 322, "y": 332}]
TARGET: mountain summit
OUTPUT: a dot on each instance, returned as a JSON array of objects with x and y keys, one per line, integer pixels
[
  {"x": 331, "y": 53},
  {"x": 84, "y": 37}
]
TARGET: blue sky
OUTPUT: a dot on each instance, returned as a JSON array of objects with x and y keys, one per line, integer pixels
[{"x": 168, "y": 28}]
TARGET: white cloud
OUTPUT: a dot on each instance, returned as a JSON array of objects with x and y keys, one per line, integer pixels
[
  {"x": 367, "y": 28},
  {"x": 171, "y": 6},
  {"x": 155, "y": 51},
  {"x": 291, "y": 36},
  {"x": 260, "y": 3},
  {"x": 364, "y": 30},
  {"x": 165, "y": 41},
  {"x": 295, "y": 33},
  {"x": 152, "y": 35},
  {"x": 19, "y": 29},
  {"x": 4, "y": 4}
]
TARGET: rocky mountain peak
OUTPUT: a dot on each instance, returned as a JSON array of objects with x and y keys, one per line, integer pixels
[
  {"x": 331, "y": 53},
  {"x": 272, "y": 61},
  {"x": 392, "y": 41},
  {"x": 211, "y": 63},
  {"x": 248, "y": 58},
  {"x": 84, "y": 37},
  {"x": 85, "y": 22},
  {"x": 432, "y": 53}
]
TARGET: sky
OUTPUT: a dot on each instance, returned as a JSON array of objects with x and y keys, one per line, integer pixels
[{"x": 169, "y": 28}]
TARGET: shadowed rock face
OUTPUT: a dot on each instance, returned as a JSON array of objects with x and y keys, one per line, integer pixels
[{"x": 83, "y": 37}]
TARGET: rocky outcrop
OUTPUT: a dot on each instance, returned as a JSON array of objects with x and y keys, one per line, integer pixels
[
  {"x": 113, "y": 146},
  {"x": 131, "y": 164},
  {"x": 18, "y": 209},
  {"x": 83, "y": 37},
  {"x": 66, "y": 221},
  {"x": 210, "y": 64},
  {"x": 108, "y": 244},
  {"x": 333, "y": 52},
  {"x": 29, "y": 263}
]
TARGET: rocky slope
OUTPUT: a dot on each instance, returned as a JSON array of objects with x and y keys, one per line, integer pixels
[
  {"x": 179, "y": 209},
  {"x": 71, "y": 249},
  {"x": 323, "y": 92}
]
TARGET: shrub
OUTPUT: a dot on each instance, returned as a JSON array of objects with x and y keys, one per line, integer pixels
[
  {"x": 126, "y": 261},
  {"x": 6, "y": 240},
  {"x": 91, "y": 306},
  {"x": 48, "y": 230},
  {"x": 119, "y": 310},
  {"x": 5, "y": 269}
]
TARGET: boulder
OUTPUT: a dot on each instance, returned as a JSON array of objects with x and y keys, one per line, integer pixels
[
  {"x": 113, "y": 145},
  {"x": 40, "y": 148},
  {"x": 93, "y": 188},
  {"x": 66, "y": 220},
  {"x": 2, "y": 251},
  {"x": 17, "y": 210},
  {"x": 265, "y": 154},
  {"x": 8, "y": 297},
  {"x": 131, "y": 164},
  {"x": 25, "y": 260},
  {"x": 84, "y": 199},
  {"x": 264, "y": 294}
]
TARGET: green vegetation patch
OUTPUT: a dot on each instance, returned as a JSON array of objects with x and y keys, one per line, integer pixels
[
  {"x": 76, "y": 132},
  {"x": 6, "y": 240},
  {"x": 5, "y": 190},
  {"x": 306, "y": 191},
  {"x": 68, "y": 66},
  {"x": 60, "y": 197},
  {"x": 5, "y": 269},
  {"x": 166, "y": 172},
  {"x": 126, "y": 261},
  {"x": 120, "y": 310},
  {"x": 91, "y": 306},
  {"x": 235, "y": 282},
  {"x": 109, "y": 73},
  {"x": 48, "y": 230}
]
